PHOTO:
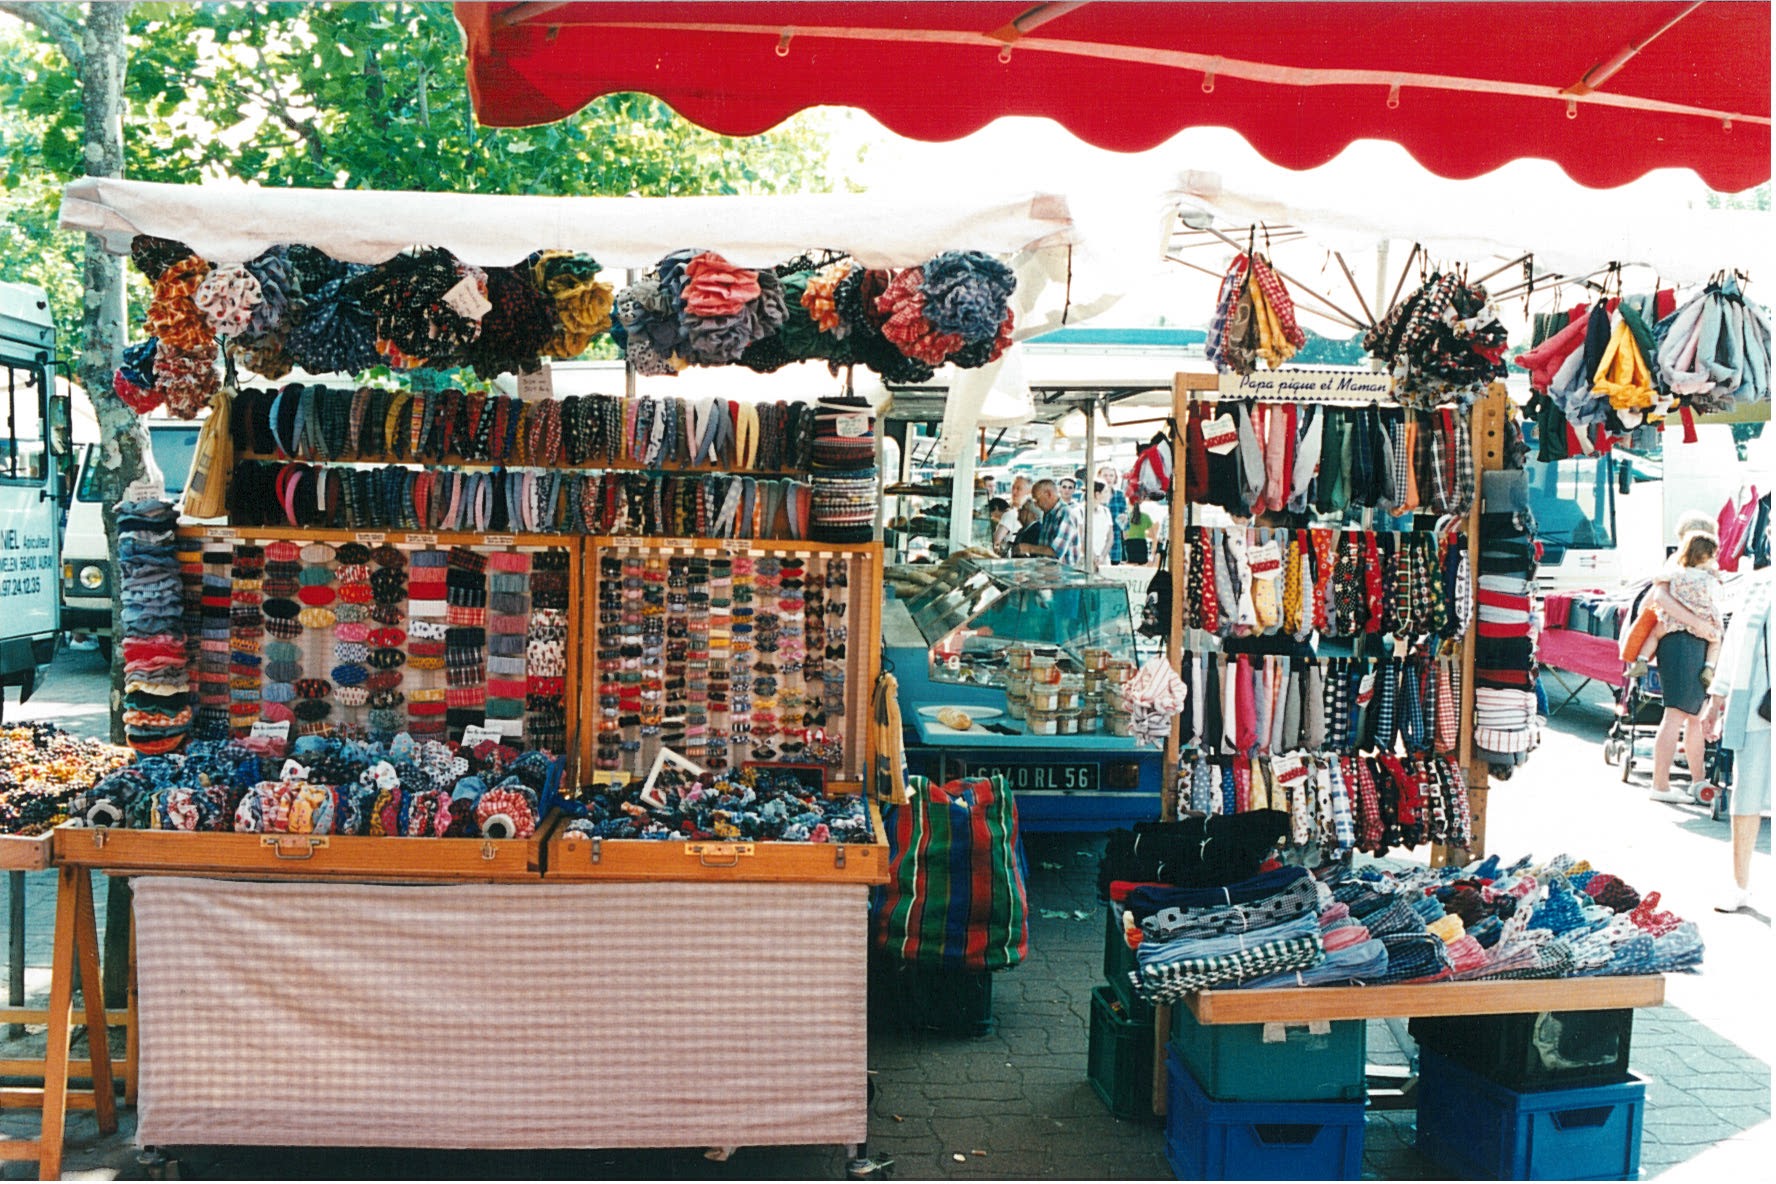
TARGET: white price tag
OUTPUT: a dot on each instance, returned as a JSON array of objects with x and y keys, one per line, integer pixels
[
  {"x": 506, "y": 729},
  {"x": 1266, "y": 561},
  {"x": 293, "y": 772},
  {"x": 371, "y": 540},
  {"x": 1221, "y": 435},
  {"x": 1365, "y": 690},
  {"x": 146, "y": 489},
  {"x": 537, "y": 385},
  {"x": 276, "y": 729},
  {"x": 466, "y": 300},
  {"x": 852, "y": 426},
  {"x": 1289, "y": 770},
  {"x": 476, "y": 733},
  {"x": 500, "y": 540},
  {"x": 423, "y": 540}
]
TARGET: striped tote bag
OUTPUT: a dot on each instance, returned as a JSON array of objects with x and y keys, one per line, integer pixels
[{"x": 955, "y": 896}]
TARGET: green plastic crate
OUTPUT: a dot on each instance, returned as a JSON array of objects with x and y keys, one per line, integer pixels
[
  {"x": 1119, "y": 1058},
  {"x": 1119, "y": 961},
  {"x": 1234, "y": 1063}
]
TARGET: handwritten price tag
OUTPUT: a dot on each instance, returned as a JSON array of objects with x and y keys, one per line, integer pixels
[
  {"x": 475, "y": 734},
  {"x": 1266, "y": 561},
  {"x": 1220, "y": 436},
  {"x": 277, "y": 730},
  {"x": 537, "y": 385}
]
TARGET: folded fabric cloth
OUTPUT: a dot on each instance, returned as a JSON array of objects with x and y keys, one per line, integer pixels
[
  {"x": 1167, "y": 982},
  {"x": 1146, "y": 899},
  {"x": 1172, "y": 923},
  {"x": 1359, "y": 962}
]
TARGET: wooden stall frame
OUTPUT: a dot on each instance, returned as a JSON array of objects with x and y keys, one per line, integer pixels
[
  {"x": 1486, "y": 426},
  {"x": 588, "y": 858},
  {"x": 75, "y": 943},
  {"x": 862, "y": 662},
  {"x": 1302, "y": 1005},
  {"x": 573, "y": 544}
]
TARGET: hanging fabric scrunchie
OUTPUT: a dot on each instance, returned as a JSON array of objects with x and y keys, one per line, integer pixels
[
  {"x": 516, "y": 329},
  {"x": 173, "y": 315},
  {"x": 581, "y": 301},
  {"x": 134, "y": 380},
  {"x": 906, "y": 325},
  {"x": 228, "y": 298},
  {"x": 331, "y": 331}
]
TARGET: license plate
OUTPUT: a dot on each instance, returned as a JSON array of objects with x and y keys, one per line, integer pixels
[{"x": 1065, "y": 778}]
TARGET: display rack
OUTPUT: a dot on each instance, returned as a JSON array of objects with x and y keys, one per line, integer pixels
[
  {"x": 862, "y": 617},
  {"x": 1487, "y": 426}
]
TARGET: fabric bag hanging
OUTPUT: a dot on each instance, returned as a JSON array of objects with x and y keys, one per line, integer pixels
[
  {"x": 212, "y": 461},
  {"x": 955, "y": 896}
]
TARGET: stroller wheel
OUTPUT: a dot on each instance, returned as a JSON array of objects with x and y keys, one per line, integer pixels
[
  {"x": 1613, "y": 751},
  {"x": 1706, "y": 792}
]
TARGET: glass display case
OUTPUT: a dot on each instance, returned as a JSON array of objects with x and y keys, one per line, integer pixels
[{"x": 978, "y": 608}]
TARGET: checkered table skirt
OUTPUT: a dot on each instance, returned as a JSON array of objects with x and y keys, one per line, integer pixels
[{"x": 501, "y": 1015}]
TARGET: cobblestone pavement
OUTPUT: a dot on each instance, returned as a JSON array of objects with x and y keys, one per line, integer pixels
[{"x": 1015, "y": 1103}]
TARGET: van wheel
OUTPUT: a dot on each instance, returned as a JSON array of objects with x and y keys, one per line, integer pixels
[{"x": 105, "y": 648}]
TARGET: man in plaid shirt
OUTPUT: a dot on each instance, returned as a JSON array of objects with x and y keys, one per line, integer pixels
[{"x": 1060, "y": 531}]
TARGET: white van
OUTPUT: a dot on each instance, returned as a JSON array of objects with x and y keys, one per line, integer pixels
[
  {"x": 33, "y": 442},
  {"x": 87, "y": 583}
]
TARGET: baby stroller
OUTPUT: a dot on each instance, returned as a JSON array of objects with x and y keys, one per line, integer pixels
[{"x": 1640, "y": 705}]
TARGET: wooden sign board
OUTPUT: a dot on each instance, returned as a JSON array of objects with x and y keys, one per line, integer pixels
[{"x": 1295, "y": 385}]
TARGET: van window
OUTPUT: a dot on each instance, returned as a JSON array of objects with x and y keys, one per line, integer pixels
[
  {"x": 22, "y": 454},
  {"x": 173, "y": 449}
]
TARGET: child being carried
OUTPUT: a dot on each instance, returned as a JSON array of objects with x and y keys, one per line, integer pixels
[{"x": 1694, "y": 580}]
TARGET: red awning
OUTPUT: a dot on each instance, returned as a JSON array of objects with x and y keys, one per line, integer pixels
[{"x": 1607, "y": 90}]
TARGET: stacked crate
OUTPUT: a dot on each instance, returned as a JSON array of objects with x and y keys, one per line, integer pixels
[
  {"x": 1265, "y": 1101},
  {"x": 1543, "y": 1096},
  {"x": 1120, "y": 1055}
]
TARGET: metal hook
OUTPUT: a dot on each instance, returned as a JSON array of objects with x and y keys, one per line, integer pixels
[
  {"x": 1209, "y": 83},
  {"x": 1572, "y": 108},
  {"x": 1004, "y": 54},
  {"x": 1393, "y": 101},
  {"x": 783, "y": 42}
]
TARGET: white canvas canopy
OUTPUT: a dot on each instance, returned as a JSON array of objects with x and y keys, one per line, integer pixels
[
  {"x": 1567, "y": 229},
  {"x": 230, "y": 222}
]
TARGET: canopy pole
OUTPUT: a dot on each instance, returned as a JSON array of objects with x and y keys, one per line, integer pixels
[
  {"x": 1304, "y": 289},
  {"x": 1506, "y": 267},
  {"x": 1090, "y": 557},
  {"x": 1405, "y": 270},
  {"x": 1369, "y": 317},
  {"x": 630, "y": 276}
]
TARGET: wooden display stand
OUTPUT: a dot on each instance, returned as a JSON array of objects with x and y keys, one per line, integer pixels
[
  {"x": 125, "y": 852},
  {"x": 76, "y": 942},
  {"x": 1487, "y": 429},
  {"x": 863, "y": 659},
  {"x": 1302, "y": 1005},
  {"x": 585, "y": 857}
]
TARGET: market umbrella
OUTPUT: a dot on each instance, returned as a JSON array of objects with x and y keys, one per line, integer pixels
[{"x": 1608, "y": 90}]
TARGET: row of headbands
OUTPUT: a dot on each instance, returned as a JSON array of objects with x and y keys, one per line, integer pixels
[
  {"x": 266, "y": 493},
  {"x": 319, "y": 423},
  {"x": 1256, "y": 580},
  {"x": 1249, "y": 458},
  {"x": 1369, "y": 803},
  {"x": 1268, "y": 703}
]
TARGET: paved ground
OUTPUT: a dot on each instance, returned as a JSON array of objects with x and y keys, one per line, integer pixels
[{"x": 1015, "y": 1103}]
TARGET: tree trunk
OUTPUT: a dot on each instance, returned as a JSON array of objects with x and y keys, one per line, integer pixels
[{"x": 104, "y": 52}]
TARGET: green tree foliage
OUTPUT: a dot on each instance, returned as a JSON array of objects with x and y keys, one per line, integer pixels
[{"x": 361, "y": 96}]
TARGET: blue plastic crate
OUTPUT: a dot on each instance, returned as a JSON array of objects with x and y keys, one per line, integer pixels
[
  {"x": 1481, "y": 1130},
  {"x": 1208, "y": 1140},
  {"x": 1234, "y": 1062}
]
